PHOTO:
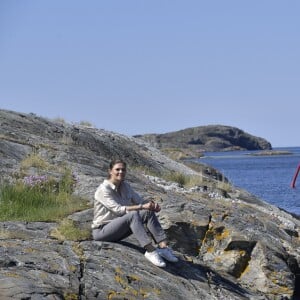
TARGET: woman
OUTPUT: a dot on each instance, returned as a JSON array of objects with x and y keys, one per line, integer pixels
[{"x": 120, "y": 212}]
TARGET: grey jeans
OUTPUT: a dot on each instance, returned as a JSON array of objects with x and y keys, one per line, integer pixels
[{"x": 133, "y": 222}]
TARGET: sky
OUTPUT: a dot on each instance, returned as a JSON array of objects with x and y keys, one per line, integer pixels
[{"x": 137, "y": 67}]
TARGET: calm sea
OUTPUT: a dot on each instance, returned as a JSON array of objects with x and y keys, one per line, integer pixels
[{"x": 268, "y": 177}]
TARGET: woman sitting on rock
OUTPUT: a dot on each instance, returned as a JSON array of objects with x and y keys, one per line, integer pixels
[{"x": 119, "y": 212}]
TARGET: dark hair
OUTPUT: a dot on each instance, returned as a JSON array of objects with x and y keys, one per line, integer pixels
[{"x": 114, "y": 162}]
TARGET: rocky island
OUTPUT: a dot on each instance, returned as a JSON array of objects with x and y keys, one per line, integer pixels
[
  {"x": 231, "y": 244},
  {"x": 192, "y": 142},
  {"x": 271, "y": 152}
]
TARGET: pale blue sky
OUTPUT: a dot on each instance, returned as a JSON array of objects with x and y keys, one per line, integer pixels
[{"x": 155, "y": 66}]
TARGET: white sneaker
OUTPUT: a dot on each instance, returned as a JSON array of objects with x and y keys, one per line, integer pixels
[
  {"x": 167, "y": 253},
  {"x": 155, "y": 258}
]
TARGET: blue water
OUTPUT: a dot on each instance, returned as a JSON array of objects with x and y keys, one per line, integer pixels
[{"x": 268, "y": 177}]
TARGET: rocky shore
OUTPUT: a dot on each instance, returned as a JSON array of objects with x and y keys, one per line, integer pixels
[{"x": 231, "y": 245}]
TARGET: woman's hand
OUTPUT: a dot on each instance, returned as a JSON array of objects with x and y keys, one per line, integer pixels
[{"x": 151, "y": 205}]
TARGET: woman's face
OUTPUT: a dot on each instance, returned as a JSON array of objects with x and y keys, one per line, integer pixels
[{"x": 117, "y": 173}]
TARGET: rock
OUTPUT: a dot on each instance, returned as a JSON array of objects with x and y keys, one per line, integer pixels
[
  {"x": 193, "y": 141},
  {"x": 42, "y": 268},
  {"x": 231, "y": 244}
]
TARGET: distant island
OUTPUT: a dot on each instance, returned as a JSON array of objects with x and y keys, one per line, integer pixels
[
  {"x": 270, "y": 152},
  {"x": 193, "y": 142}
]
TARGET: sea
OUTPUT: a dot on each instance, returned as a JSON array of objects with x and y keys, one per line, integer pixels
[{"x": 268, "y": 177}]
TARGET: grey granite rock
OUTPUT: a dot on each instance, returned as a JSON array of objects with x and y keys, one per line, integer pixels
[{"x": 231, "y": 245}]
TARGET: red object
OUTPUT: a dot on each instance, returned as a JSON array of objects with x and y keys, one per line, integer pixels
[{"x": 295, "y": 177}]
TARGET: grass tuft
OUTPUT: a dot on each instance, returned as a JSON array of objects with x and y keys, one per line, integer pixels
[
  {"x": 184, "y": 180},
  {"x": 36, "y": 161},
  {"x": 38, "y": 198},
  {"x": 67, "y": 230}
]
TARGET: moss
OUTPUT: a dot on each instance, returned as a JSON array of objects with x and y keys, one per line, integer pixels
[
  {"x": 118, "y": 270},
  {"x": 72, "y": 268},
  {"x": 78, "y": 250},
  {"x": 6, "y": 234},
  {"x": 125, "y": 281},
  {"x": 210, "y": 250},
  {"x": 30, "y": 250},
  {"x": 72, "y": 296},
  {"x": 13, "y": 275}
]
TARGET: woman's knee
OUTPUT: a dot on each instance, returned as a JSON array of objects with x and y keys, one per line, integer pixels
[
  {"x": 96, "y": 235},
  {"x": 134, "y": 214},
  {"x": 143, "y": 215},
  {"x": 147, "y": 215}
]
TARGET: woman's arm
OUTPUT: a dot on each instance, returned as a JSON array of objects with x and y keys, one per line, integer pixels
[
  {"x": 151, "y": 205},
  {"x": 139, "y": 202}
]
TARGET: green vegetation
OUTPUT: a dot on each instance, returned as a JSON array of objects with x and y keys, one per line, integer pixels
[
  {"x": 184, "y": 180},
  {"x": 174, "y": 153},
  {"x": 86, "y": 123},
  {"x": 177, "y": 177},
  {"x": 60, "y": 120},
  {"x": 39, "y": 197},
  {"x": 67, "y": 230},
  {"x": 224, "y": 186},
  {"x": 180, "y": 154},
  {"x": 189, "y": 181},
  {"x": 35, "y": 161},
  {"x": 64, "y": 122}
]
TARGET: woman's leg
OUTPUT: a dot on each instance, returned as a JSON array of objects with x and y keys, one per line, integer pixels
[
  {"x": 114, "y": 231},
  {"x": 153, "y": 225},
  {"x": 121, "y": 227},
  {"x": 151, "y": 221}
]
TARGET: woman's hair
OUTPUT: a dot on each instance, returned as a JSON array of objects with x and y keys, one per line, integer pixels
[{"x": 114, "y": 162}]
